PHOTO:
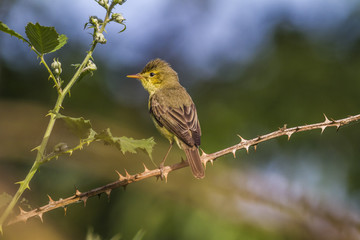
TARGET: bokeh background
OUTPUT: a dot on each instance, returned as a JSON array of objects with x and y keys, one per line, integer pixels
[{"x": 250, "y": 66}]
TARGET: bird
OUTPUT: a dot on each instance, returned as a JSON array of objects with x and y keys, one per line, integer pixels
[{"x": 172, "y": 111}]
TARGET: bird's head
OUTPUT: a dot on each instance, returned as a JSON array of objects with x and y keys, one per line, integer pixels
[{"x": 156, "y": 75}]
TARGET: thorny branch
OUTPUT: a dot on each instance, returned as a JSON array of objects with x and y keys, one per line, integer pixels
[{"x": 128, "y": 178}]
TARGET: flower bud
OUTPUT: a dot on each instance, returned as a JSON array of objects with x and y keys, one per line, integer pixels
[
  {"x": 99, "y": 37},
  {"x": 91, "y": 66},
  {"x": 56, "y": 66},
  {"x": 103, "y": 3},
  {"x": 117, "y": 17},
  {"x": 120, "y": 2},
  {"x": 94, "y": 20}
]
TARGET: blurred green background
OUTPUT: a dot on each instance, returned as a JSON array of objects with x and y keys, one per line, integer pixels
[{"x": 250, "y": 66}]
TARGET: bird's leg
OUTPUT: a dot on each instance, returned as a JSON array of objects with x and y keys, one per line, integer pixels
[{"x": 163, "y": 161}]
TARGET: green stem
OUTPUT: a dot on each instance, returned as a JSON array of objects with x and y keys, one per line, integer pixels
[
  {"x": 57, "y": 85},
  {"x": 41, "y": 148}
]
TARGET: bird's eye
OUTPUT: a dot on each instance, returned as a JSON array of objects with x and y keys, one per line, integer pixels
[{"x": 152, "y": 74}]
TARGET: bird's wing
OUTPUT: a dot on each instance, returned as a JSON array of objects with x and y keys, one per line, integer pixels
[{"x": 182, "y": 121}]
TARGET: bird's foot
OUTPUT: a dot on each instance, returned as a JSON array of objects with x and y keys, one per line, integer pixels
[{"x": 163, "y": 175}]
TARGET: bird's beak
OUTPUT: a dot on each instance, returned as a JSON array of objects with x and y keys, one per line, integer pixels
[{"x": 134, "y": 76}]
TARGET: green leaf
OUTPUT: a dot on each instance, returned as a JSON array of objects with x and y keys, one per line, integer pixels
[
  {"x": 130, "y": 145},
  {"x": 4, "y": 199},
  {"x": 44, "y": 39},
  {"x": 125, "y": 144},
  {"x": 79, "y": 126},
  {"x": 62, "y": 41}
]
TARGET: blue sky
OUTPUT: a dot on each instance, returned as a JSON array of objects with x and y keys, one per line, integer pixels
[{"x": 206, "y": 32}]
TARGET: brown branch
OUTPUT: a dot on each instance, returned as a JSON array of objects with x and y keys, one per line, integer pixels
[{"x": 128, "y": 178}]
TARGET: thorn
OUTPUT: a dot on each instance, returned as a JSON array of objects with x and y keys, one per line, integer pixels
[
  {"x": 35, "y": 148},
  {"x": 258, "y": 138},
  {"x": 182, "y": 160},
  {"x": 124, "y": 186},
  {"x": 203, "y": 153},
  {"x": 84, "y": 199},
  {"x": 77, "y": 192},
  {"x": 41, "y": 217},
  {"x": 241, "y": 138},
  {"x": 289, "y": 134},
  {"x": 247, "y": 148},
  {"x": 255, "y": 146},
  {"x": 326, "y": 119},
  {"x": 70, "y": 152},
  {"x": 22, "y": 212},
  {"x": 65, "y": 209},
  {"x": 212, "y": 162},
  {"x": 338, "y": 125},
  {"x": 323, "y": 129},
  {"x": 51, "y": 201},
  {"x": 204, "y": 162},
  {"x": 108, "y": 192},
  {"x": 283, "y": 128},
  {"x": 128, "y": 176},
  {"x": 22, "y": 182},
  {"x": 146, "y": 169},
  {"x": 121, "y": 177},
  {"x": 234, "y": 152},
  {"x": 165, "y": 176}
]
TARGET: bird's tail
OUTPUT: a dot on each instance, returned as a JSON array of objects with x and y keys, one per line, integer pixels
[{"x": 193, "y": 157}]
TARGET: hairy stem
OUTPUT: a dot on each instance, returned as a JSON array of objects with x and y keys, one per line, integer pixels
[{"x": 24, "y": 184}]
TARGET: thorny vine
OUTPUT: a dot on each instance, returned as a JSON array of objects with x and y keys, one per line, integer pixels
[{"x": 126, "y": 179}]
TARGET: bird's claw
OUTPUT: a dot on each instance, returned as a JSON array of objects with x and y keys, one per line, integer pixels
[{"x": 162, "y": 176}]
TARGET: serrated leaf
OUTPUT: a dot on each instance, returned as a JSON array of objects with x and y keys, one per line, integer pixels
[
  {"x": 44, "y": 39},
  {"x": 62, "y": 41},
  {"x": 125, "y": 144},
  {"x": 79, "y": 126},
  {"x": 130, "y": 145},
  {"x": 4, "y": 199},
  {"x": 6, "y": 29}
]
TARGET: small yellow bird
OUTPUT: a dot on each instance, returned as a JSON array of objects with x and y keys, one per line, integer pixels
[{"x": 173, "y": 111}]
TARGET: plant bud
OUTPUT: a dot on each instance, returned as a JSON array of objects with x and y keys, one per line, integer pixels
[
  {"x": 120, "y": 2},
  {"x": 103, "y": 3},
  {"x": 118, "y": 17},
  {"x": 56, "y": 66},
  {"x": 99, "y": 37},
  {"x": 91, "y": 66},
  {"x": 94, "y": 20}
]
